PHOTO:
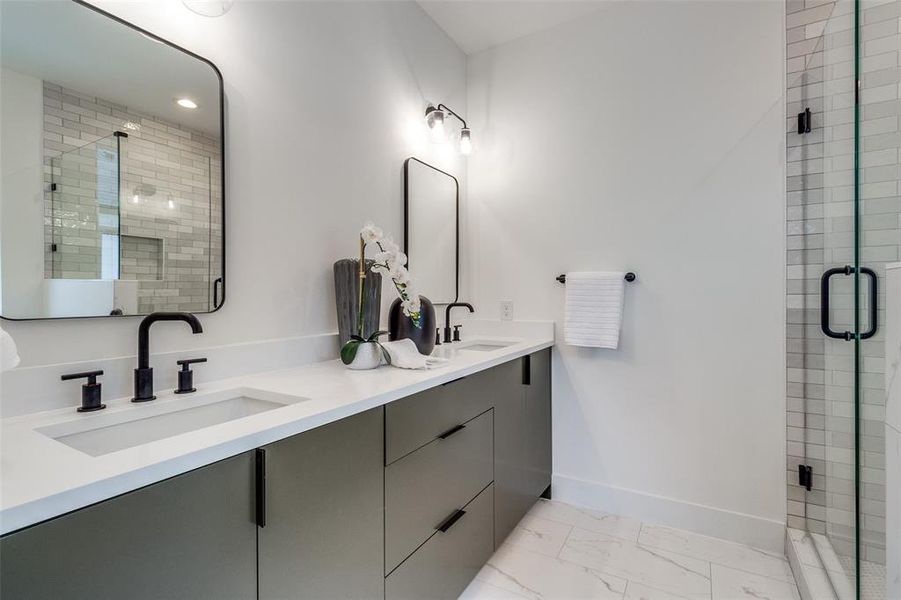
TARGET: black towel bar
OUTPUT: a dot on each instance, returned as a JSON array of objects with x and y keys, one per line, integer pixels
[{"x": 630, "y": 277}]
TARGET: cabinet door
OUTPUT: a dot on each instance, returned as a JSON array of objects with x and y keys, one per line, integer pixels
[
  {"x": 324, "y": 532},
  {"x": 192, "y": 537},
  {"x": 512, "y": 497},
  {"x": 538, "y": 423}
]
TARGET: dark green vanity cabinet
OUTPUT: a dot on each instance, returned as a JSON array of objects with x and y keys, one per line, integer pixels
[
  {"x": 403, "y": 501},
  {"x": 195, "y": 536},
  {"x": 522, "y": 443},
  {"x": 464, "y": 463},
  {"x": 537, "y": 408},
  {"x": 190, "y": 537},
  {"x": 324, "y": 529}
]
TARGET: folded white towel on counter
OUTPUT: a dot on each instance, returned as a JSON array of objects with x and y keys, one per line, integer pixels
[
  {"x": 594, "y": 308},
  {"x": 405, "y": 355},
  {"x": 9, "y": 355}
]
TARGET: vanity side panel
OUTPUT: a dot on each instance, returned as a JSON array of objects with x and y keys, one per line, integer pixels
[
  {"x": 511, "y": 490},
  {"x": 538, "y": 423},
  {"x": 192, "y": 536}
]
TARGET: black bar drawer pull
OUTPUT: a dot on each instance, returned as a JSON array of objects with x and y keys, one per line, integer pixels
[
  {"x": 451, "y": 431},
  {"x": 824, "y": 303},
  {"x": 261, "y": 487},
  {"x": 449, "y": 522}
]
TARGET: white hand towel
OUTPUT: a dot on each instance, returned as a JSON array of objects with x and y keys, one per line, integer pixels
[
  {"x": 594, "y": 308},
  {"x": 9, "y": 356},
  {"x": 405, "y": 355}
]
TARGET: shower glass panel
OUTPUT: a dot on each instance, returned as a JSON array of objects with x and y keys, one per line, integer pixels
[
  {"x": 83, "y": 212},
  {"x": 170, "y": 217},
  {"x": 844, "y": 214}
]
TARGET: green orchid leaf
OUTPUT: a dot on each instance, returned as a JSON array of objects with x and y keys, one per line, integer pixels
[
  {"x": 349, "y": 351},
  {"x": 357, "y": 338},
  {"x": 385, "y": 354},
  {"x": 376, "y": 336}
]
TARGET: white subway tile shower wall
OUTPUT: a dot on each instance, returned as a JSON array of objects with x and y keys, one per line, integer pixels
[
  {"x": 169, "y": 199},
  {"x": 820, "y": 177}
]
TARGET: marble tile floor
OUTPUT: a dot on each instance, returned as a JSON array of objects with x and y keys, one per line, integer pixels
[{"x": 563, "y": 552}]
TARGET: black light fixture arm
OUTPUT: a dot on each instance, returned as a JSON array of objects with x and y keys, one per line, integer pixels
[{"x": 445, "y": 108}]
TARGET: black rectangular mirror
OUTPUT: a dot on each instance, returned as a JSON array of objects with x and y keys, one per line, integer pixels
[
  {"x": 112, "y": 192},
  {"x": 431, "y": 230}
]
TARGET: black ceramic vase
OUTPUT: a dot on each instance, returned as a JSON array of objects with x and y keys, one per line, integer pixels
[{"x": 401, "y": 326}]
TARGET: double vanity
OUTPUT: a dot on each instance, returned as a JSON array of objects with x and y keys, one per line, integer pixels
[{"x": 313, "y": 481}]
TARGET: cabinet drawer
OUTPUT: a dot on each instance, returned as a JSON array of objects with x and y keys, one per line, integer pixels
[
  {"x": 416, "y": 420},
  {"x": 425, "y": 487},
  {"x": 448, "y": 561}
]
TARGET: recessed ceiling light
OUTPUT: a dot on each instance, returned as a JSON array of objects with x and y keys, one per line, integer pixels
[{"x": 186, "y": 103}]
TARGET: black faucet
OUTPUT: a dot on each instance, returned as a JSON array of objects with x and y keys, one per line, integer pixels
[
  {"x": 447, "y": 325},
  {"x": 144, "y": 374}
]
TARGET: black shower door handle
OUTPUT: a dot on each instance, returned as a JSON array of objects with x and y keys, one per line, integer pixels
[
  {"x": 824, "y": 303},
  {"x": 216, "y": 285},
  {"x": 874, "y": 303}
]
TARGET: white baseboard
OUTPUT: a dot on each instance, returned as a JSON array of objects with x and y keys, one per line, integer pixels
[{"x": 738, "y": 527}]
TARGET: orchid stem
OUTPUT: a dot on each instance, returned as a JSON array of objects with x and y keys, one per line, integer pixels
[{"x": 362, "y": 281}]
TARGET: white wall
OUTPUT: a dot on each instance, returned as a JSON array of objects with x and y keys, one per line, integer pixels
[
  {"x": 21, "y": 191},
  {"x": 324, "y": 103},
  {"x": 648, "y": 137}
]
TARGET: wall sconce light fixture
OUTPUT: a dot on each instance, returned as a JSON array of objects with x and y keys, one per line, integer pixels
[{"x": 435, "y": 117}]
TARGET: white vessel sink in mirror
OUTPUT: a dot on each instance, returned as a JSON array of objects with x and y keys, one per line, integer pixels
[{"x": 101, "y": 434}]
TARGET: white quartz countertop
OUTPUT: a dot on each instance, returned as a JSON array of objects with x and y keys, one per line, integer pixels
[{"x": 41, "y": 478}]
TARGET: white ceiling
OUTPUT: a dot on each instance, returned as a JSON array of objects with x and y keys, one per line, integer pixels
[
  {"x": 479, "y": 24},
  {"x": 73, "y": 46}
]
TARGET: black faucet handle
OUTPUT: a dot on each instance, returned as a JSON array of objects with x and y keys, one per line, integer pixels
[
  {"x": 186, "y": 375},
  {"x": 90, "y": 391},
  {"x": 91, "y": 376},
  {"x": 185, "y": 364},
  {"x": 437, "y": 336},
  {"x": 457, "y": 332}
]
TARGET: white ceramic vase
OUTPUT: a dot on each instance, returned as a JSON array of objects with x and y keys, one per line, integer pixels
[{"x": 369, "y": 356}]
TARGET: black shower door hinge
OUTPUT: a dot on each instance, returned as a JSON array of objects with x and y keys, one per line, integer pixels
[
  {"x": 805, "y": 476},
  {"x": 804, "y": 121}
]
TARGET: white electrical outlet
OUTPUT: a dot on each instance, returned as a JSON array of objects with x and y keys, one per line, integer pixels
[{"x": 506, "y": 310}]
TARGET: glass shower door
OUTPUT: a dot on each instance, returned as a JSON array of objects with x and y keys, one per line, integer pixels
[
  {"x": 83, "y": 224},
  {"x": 844, "y": 230}
]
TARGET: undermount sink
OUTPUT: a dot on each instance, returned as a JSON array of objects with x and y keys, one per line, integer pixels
[
  {"x": 141, "y": 424},
  {"x": 484, "y": 345}
]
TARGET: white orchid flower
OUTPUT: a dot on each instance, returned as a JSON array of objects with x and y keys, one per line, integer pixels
[
  {"x": 392, "y": 262},
  {"x": 389, "y": 245},
  {"x": 402, "y": 277},
  {"x": 409, "y": 308},
  {"x": 371, "y": 234},
  {"x": 385, "y": 257}
]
